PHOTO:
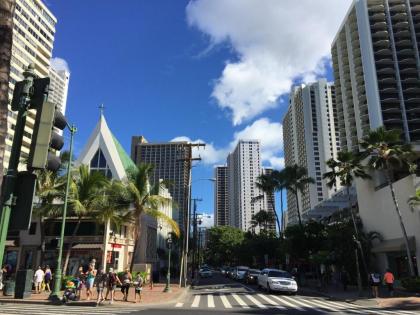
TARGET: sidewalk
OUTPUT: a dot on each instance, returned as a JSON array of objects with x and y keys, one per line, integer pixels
[
  {"x": 149, "y": 297},
  {"x": 401, "y": 299}
]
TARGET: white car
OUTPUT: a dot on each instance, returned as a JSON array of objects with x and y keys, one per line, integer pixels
[
  {"x": 277, "y": 280},
  {"x": 205, "y": 273}
]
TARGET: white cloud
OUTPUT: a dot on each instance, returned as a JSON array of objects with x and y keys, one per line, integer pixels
[
  {"x": 59, "y": 64},
  {"x": 207, "y": 220},
  {"x": 275, "y": 41},
  {"x": 269, "y": 133}
]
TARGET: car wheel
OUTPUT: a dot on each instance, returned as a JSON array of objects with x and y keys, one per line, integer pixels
[{"x": 268, "y": 288}]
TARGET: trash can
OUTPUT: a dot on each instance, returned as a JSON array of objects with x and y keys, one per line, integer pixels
[{"x": 9, "y": 288}]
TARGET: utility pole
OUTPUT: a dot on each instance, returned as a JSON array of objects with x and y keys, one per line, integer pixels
[
  {"x": 184, "y": 256},
  {"x": 194, "y": 247}
]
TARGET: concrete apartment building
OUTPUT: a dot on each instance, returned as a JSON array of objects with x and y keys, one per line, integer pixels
[
  {"x": 59, "y": 86},
  {"x": 221, "y": 201},
  {"x": 376, "y": 66},
  {"x": 310, "y": 138},
  {"x": 167, "y": 158},
  {"x": 243, "y": 169},
  {"x": 33, "y": 40}
]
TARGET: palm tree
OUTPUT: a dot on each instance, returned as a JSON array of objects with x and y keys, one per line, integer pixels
[
  {"x": 262, "y": 219},
  {"x": 414, "y": 201},
  {"x": 86, "y": 189},
  {"x": 6, "y": 38},
  {"x": 296, "y": 180},
  {"x": 269, "y": 184},
  {"x": 388, "y": 154},
  {"x": 49, "y": 191},
  {"x": 346, "y": 168},
  {"x": 146, "y": 200}
]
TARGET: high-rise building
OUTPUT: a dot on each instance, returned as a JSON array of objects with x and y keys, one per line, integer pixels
[
  {"x": 59, "y": 86},
  {"x": 170, "y": 164},
  {"x": 270, "y": 200},
  {"x": 310, "y": 138},
  {"x": 221, "y": 202},
  {"x": 243, "y": 170},
  {"x": 33, "y": 39},
  {"x": 376, "y": 67}
]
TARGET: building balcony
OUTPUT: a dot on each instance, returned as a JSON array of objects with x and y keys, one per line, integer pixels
[
  {"x": 397, "y": 7},
  {"x": 380, "y": 34},
  {"x": 377, "y": 17},
  {"x": 401, "y": 25},
  {"x": 402, "y": 34},
  {"x": 400, "y": 16}
]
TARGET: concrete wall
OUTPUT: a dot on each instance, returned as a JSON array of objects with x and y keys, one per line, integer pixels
[{"x": 378, "y": 213}]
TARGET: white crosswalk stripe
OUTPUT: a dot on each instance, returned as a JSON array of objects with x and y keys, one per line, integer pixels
[
  {"x": 32, "y": 309},
  {"x": 309, "y": 305}
]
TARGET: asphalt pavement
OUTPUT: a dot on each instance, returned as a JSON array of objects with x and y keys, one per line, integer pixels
[{"x": 217, "y": 295}]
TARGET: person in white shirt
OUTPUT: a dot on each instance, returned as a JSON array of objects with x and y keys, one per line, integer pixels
[{"x": 38, "y": 278}]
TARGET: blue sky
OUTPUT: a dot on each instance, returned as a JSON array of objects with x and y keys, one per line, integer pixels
[{"x": 209, "y": 70}]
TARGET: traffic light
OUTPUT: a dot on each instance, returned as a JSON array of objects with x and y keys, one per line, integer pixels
[
  {"x": 45, "y": 139},
  {"x": 37, "y": 93}
]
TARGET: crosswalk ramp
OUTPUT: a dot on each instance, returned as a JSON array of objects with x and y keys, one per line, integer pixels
[
  {"x": 310, "y": 305},
  {"x": 41, "y": 309}
]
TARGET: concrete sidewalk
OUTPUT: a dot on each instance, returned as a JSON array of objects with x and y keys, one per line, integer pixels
[{"x": 150, "y": 297}]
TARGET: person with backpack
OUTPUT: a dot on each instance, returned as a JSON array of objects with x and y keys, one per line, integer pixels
[
  {"x": 48, "y": 278},
  {"x": 112, "y": 280},
  {"x": 101, "y": 284},
  {"x": 375, "y": 281}
]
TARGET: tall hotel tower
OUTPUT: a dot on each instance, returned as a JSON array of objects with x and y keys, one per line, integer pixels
[
  {"x": 377, "y": 69},
  {"x": 310, "y": 139},
  {"x": 221, "y": 198}
]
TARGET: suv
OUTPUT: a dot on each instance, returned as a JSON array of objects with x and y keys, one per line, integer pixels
[
  {"x": 239, "y": 272},
  {"x": 277, "y": 280}
]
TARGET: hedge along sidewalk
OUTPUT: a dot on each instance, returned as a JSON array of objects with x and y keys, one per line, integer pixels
[{"x": 150, "y": 297}]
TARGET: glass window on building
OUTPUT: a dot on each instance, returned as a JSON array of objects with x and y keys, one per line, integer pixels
[{"x": 99, "y": 164}]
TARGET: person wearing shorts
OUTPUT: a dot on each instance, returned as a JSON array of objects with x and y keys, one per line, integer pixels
[
  {"x": 100, "y": 283},
  {"x": 90, "y": 279},
  {"x": 126, "y": 282},
  {"x": 389, "y": 281},
  {"x": 111, "y": 281},
  {"x": 138, "y": 286},
  {"x": 48, "y": 278},
  {"x": 375, "y": 281}
]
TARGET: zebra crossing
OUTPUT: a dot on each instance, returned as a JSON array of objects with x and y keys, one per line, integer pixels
[
  {"x": 248, "y": 300},
  {"x": 39, "y": 309}
]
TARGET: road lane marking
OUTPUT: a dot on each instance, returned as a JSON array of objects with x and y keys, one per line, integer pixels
[
  {"x": 287, "y": 303},
  {"x": 225, "y": 301},
  {"x": 270, "y": 301},
  {"x": 298, "y": 301},
  {"x": 196, "y": 301},
  {"x": 210, "y": 301},
  {"x": 324, "y": 305},
  {"x": 179, "y": 304},
  {"x": 255, "y": 301},
  {"x": 240, "y": 301}
]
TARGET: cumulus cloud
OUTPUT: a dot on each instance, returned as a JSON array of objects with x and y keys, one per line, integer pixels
[
  {"x": 275, "y": 42},
  {"x": 59, "y": 64},
  {"x": 269, "y": 133}
]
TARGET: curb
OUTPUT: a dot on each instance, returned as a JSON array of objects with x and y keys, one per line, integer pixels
[{"x": 92, "y": 304}]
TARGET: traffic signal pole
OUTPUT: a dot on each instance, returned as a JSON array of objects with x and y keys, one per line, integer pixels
[
  {"x": 9, "y": 181},
  {"x": 58, "y": 272}
]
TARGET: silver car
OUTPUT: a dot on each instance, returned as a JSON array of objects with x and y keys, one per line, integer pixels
[
  {"x": 277, "y": 280},
  {"x": 205, "y": 273}
]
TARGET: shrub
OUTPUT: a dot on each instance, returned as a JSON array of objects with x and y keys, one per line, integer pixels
[{"x": 411, "y": 284}]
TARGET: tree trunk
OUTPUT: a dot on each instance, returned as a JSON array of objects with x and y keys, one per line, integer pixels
[
  {"x": 6, "y": 39},
  {"x": 66, "y": 260},
  {"x": 282, "y": 214},
  {"x": 277, "y": 217},
  {"x": 397, "y": 210},
  {"x": 42, "y": 229},
  {"x": 105, "y": 244},
  {"x": 136, "y": 243},
  {"x": 298, "y": 210}
]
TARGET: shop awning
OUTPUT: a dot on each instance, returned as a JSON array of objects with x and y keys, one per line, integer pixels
[
  {"x": 394, "y": 245},
  {"x": 88, "y": 246}
]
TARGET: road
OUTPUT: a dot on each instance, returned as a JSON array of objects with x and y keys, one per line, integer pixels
[{"x": 217, "y": 295}]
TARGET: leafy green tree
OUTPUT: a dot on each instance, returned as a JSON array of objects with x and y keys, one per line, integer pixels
[
  {"x": 415, "y": 200},
  {"x": 388, "y": 154},
  {"x": 262, "y": 219},
  {"x": 146, "y": 200},
  {"x": 296, "y": 180},
  {"x": 222, "y": 244}
]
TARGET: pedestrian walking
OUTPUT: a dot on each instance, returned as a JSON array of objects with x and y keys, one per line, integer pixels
[
  {"x": 389, "y": 281},
  {"x": 90, "y": 279},
  {"x": 344, "y": 279},
  {"x": 138, "y": 287},
  {"x": 101, "y": 284},
  {"x": 375, "y": 281},
  {"x": 38, "y": 278},
  {"x": 79, "y": 282},
  {"x": 48, "y": 278},
  {"x": 126, "y": 282},
  {"x": 112, "y": 280}
]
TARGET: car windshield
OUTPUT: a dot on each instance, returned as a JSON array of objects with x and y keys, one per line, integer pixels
[
  {"x": 279, "y": 274},
  {"x": 254, "y": 271},
  {"x": 242, "y": 269}
]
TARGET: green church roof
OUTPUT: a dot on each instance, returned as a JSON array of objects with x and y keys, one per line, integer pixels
[{"x": 127, "y": 162}]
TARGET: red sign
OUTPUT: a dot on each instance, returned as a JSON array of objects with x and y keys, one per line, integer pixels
[{"x": 116, "y": 245}]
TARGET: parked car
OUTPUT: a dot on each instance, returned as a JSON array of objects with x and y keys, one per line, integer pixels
[
  {"x": 277, "y": 280},
  {"x": 229, "y": 273},
  {"x": 205, "y": 273},
  {"x": 251, "y": 276},
  {"x": 239, "y": 272}
]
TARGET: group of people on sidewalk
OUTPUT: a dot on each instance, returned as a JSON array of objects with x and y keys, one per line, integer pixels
[
  {"x": 102, "y": 280},
  {"x": 375, "y": 282}
]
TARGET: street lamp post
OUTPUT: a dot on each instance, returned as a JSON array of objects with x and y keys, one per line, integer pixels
[
  {"x": 168, "y": 274},
  {"x": 58, "y": 273}
]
